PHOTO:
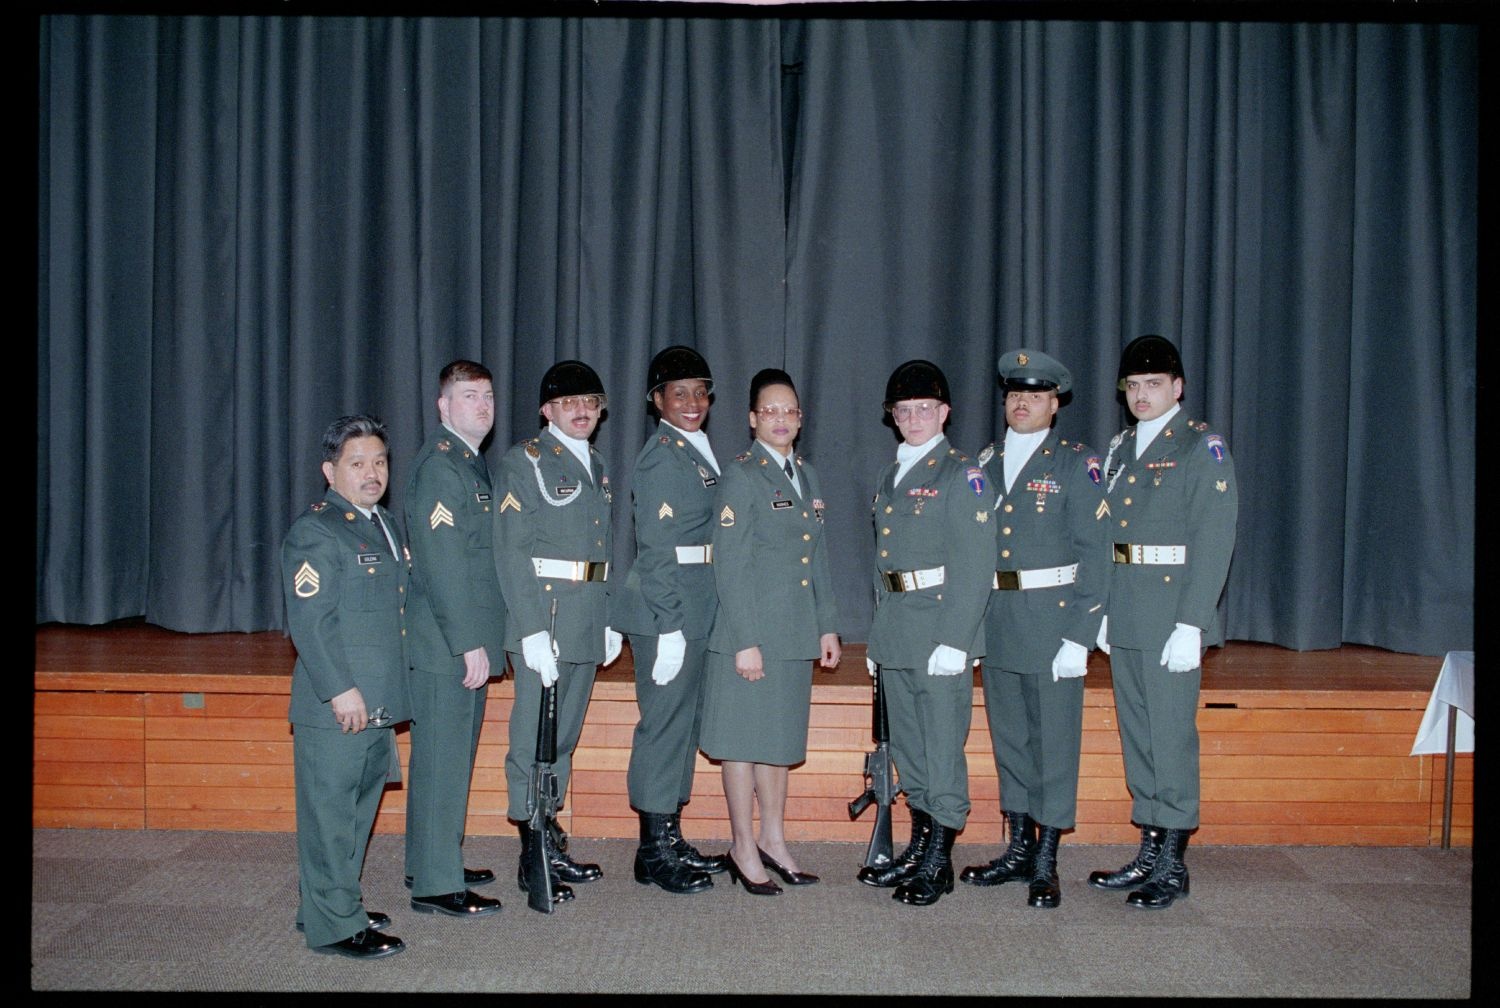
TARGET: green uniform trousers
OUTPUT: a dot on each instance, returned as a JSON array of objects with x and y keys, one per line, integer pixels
[
  {"x": 664, "y": 748},
  {"x": 929, "y": 721},
  {"x": 339, "y": 778},
  {"x": 1036, "y": 727},
  {"x": 1158, "y": 714},
  {"x": 445, "y": 725},
  {"x": 575, "y": 683}
]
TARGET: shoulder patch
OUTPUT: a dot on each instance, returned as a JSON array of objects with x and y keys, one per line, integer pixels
[
  {"x": 1215, "y": 445},
  {"x": 1094, "y": 462},
  {"x": 975, "y": 476}
]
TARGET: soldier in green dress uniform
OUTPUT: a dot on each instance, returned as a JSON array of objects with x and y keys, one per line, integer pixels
[
  {"x": 1043, "y": 617},
  {"x": 344, "y": 573},
  {"x": 455, "y": 627},
  {"x": 1171, "y": 504},
  {"x": 776, "y": 616},
  {"x": 934, "y": 546},
  {"x": 667, "y": 607},
  {"x": 552, "y": 547}
]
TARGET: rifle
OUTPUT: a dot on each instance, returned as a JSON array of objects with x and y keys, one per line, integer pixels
[
  {"x": 542, "y": 797},
  {"x": 882, "y": 790}
]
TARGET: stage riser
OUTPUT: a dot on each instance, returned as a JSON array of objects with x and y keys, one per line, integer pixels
[{"x": 1279, "y": 766}]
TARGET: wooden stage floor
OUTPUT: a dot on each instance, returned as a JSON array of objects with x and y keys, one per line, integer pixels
[{"x": 136, "y": 727}]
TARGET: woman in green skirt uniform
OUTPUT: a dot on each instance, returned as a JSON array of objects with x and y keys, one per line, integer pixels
[{"x": 776, "y": 616}]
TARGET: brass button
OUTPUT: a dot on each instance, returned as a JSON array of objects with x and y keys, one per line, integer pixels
[
  {"x": 885, "y": 553},
  {"x": 1167, "y": 578},
  {"x": 804, "y": 559},
  {"x": 1123, "y": 523},
  {"x": 1130, "y": 479},
  {"x": 1062, "y": 603},
  {"x": 1006, "y": 530},
  {"x": 369, "y": 570},
  {"x": 804, "y": 514},
  {"x": 887, "y": 509},
  {"x": 885, "y": 531},
  {"x": 804, "y": 582},
  {"x": 1008, "y": 509},
  {"x": 806, "y": 536},
  {"x": 546, "y": 587},
  {"x": 1127, "y": 501},
  {"x": 1005, "y": 553}
]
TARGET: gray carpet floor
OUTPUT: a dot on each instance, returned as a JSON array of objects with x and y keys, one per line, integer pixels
[{"x": 161, "y": 910}]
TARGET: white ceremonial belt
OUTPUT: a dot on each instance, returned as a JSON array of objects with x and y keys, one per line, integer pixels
[
  {"x": 1135, "y": 553},
  {"x": 571, "y": 570},
  {"x": 1040, "y": 577},
  {"x": 899, "y": 581},
  {"x": 695, "y": 554}
]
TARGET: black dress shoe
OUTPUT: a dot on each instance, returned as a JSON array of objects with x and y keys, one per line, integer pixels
[
  {"x": 457, "y": 904},
  {"x": 787, "y": 875},
  {"x": 766, "y": 888},
  {"x": 472, "y": 877},
  {"x": 378, "y": 921},
  {"x": 365, "y": 945}
]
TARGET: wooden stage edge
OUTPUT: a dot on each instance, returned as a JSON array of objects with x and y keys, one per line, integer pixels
[{"x": 137, "y": 727}]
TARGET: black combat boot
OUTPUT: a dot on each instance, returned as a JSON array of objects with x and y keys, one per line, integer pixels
[
  {"x": 907, "y": 861},
  {"x": 530, "y": 838},
  {"x": 1169, "y": 876},
  {"x": 563, "y": 866},
  {"x": 934, "y": 876},
  {"x": 1014, "y": 864},
  {"x": 1138, "y": 870},
  {"x": 656, "y": 861},
  {"x": 689, "y": 855},
  {"x": 1045, "y": 892}
]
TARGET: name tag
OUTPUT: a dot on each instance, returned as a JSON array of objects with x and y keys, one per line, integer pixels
[
  {"x": 781, "y": 504},
  {"x": 482, "y": 497},
  {"x": 369, "y": 558},
  {"x": 709, "y": 481},
  {"x": 566, "y": 491}
]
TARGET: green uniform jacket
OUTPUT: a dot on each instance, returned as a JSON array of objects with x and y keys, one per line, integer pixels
[
  {"x": 936, "y": 517},
  {"x": 1047, "y": 520},
  {"x": 455, "y": 603},
  {"x": 551, "y": 508},
  {"x": 1182, "y": 492},
  {"x": 672, "y": 492},
  {"x": 771, "y": 564},
  {"x": 344, "y": 604}
]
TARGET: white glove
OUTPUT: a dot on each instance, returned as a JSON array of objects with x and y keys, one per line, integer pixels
[
  {"x": 946, "y": 661},
  {"x": 1184, "y": 649},
  {"x": 1072, "y": 661},
  {"x": 671, "y": 648},
  {"x": 613, "y": 641},
  {"x": 537, "y": 650},
  {"x": 1103, "y": 640},
  {"x": 870, "y": 667}
]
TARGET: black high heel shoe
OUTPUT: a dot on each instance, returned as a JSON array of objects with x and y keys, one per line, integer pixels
[
  {"x": 766, "y": 888},
  {"x": 787, "y": 875}
]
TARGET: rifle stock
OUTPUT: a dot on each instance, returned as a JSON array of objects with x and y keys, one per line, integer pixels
[
  {"x": 542, "y": 796},
  {"x": 881, "y": 791}
]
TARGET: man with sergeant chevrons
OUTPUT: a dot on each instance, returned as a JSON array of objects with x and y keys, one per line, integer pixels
[
  {"x": 1043, "y": 617},
  {"x": 1171, "y": 504},
  {"x": 552, "y": 548}
]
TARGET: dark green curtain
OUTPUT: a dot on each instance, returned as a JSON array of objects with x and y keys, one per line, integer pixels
[{"x": 251, "y": 225}]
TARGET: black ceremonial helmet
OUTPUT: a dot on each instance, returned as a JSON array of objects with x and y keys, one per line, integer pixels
[
  {"x": 677, "y": 363},
  {"x": 1149, "y": 355},
  {"x": 569, "y": 377},
  {"x": 917, "y": 379}
]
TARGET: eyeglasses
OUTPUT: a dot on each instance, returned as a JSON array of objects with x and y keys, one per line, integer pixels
[
  {"x": 776, "y": 412},
  {"x": 588, "y": 402},
  {"x": 922, "y": 410}
]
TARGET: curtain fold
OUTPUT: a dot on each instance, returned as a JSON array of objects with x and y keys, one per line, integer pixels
[{"x": 249, "y": 226}]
